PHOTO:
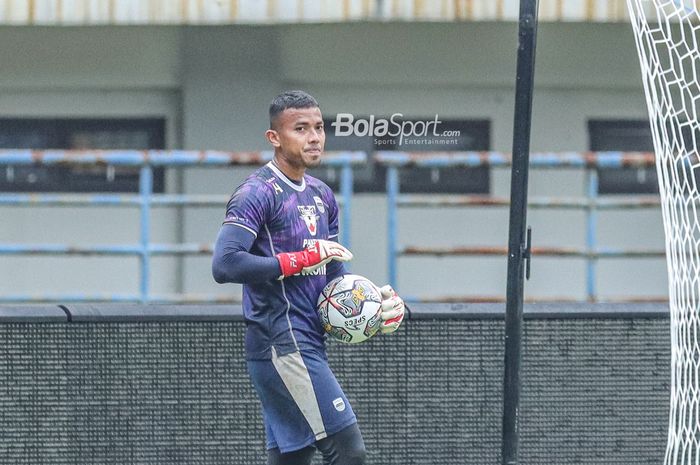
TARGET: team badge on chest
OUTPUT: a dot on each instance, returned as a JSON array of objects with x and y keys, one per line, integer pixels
[{"x": 308, "y": 214}]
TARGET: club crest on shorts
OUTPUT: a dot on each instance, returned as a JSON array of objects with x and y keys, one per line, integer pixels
[
  {"x": 339, "y": 404},
  {"x": 308, "y": 214}
]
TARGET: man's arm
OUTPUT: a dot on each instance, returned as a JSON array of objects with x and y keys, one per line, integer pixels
[{"x": 233, "y": 263}]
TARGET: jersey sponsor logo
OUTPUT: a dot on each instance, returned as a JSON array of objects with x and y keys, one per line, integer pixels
[
  {"x": 231, "y": 217},
  {"x": 319, "y": 204},
  {"x": 234, "y": 219},
  {"x": 321, "y": 270},
  {"x": 308, "y": 214}
]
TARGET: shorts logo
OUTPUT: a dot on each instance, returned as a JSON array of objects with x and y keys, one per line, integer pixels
[
  {"x": 319, "y": 204},
  {"x": 308, "y": 214},
  {"x": 339, "y": 404}
]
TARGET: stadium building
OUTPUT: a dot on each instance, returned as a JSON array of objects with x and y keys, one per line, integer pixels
[{"x": 198, "y": 76}]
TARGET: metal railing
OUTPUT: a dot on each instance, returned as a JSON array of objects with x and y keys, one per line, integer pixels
[
  {"x": 591, "y": 162},
  {"x": 145, "y": 249}
]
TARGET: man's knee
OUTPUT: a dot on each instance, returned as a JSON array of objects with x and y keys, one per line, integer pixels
[
  {"x": 356, "y": 455},
  {"x": 343, "y": 448},
  {"x": 298, "y": 457}
]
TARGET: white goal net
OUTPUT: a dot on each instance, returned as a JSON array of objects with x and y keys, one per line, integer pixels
[{"x": 668, "y": 43}]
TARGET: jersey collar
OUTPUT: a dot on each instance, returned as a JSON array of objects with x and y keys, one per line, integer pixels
[{"x": 286, "y": 180}]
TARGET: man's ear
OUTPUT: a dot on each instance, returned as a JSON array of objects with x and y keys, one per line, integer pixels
[{"x": 272, "y": 137}]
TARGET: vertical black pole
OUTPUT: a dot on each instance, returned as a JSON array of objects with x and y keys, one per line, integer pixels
[{"x": 517, "y": 245}]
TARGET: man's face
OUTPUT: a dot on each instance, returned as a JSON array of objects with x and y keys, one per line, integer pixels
[{"x": 299, "y": 137}]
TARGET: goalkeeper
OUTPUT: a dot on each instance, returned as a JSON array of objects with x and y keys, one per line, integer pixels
[{"x": 278, "y": 239}]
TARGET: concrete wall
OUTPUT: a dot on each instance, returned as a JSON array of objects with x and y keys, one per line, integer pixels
[{"x": 213, "y": 84}]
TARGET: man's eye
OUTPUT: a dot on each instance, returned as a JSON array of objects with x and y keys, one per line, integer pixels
[{"x": 299, "y": 129}]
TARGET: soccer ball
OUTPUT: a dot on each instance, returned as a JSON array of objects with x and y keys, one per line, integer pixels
[{"x": 350, "y": 308}]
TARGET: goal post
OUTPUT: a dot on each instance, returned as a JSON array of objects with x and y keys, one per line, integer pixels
[{"x": 667, "y": 34}]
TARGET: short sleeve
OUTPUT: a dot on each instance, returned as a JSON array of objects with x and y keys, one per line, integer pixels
[{"x": 249, "y": 206}]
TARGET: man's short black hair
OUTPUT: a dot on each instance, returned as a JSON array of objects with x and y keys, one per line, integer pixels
[{"x": 290, "y": 99}]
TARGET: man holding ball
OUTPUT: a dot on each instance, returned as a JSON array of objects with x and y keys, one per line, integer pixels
[{"x": 279, "y": 241}]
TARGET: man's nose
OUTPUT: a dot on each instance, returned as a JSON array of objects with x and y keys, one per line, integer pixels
[{"x": 314, "y": 135}]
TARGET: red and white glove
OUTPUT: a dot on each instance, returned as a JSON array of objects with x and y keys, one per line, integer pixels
[
  {"x": 312, "y": 257},
  {"x": 393, "y": 310}
]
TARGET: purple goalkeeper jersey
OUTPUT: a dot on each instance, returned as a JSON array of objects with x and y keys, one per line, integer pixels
[{"x": 284, "y": 217}]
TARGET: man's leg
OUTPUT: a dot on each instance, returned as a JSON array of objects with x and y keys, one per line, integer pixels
[
  {"x": 297, "y": 457},
  {"x": 287, "y": 422},
  {"x": 346, "y": 447}
]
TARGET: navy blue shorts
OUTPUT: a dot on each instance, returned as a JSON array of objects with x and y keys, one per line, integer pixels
[{"x": 302, "y": 401}]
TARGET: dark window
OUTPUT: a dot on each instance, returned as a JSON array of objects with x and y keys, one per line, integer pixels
[
  {"x": 625, "y": 136},
  {"x": 465, "y": 135},
  {"x": 79, "y": 134}
]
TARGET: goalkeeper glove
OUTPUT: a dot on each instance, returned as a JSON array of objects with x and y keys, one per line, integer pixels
[
  {"x": 312, "y": 257},
  {"x": 393, "y": 310}
]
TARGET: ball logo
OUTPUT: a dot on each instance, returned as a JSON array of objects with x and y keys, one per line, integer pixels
[
  {"x": 358, "y": 295},
  {"x": 355, "y": 322},
  {"x": 308, "y": 214}
]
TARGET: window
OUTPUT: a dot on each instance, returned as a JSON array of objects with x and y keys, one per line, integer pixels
[
  {"x": 453, "y": 135},
  {"x": 79, "y": 134},
  {"x": 626, "y": 136}
]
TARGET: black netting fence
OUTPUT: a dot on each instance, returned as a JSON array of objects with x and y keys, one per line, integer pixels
[{"x": 118, "y": 389}]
